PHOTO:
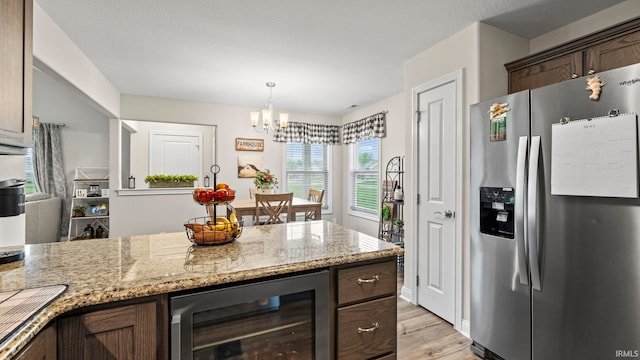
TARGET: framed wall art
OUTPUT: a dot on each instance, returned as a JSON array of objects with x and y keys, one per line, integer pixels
[
  {"x": 245, "y": 144},
  {"x": 249, "y": 166}
]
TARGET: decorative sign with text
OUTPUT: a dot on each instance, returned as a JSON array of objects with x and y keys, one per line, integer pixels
[{"x": 249, "y": 144}]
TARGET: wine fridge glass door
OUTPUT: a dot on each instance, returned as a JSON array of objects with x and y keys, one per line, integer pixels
[{"x": 285, "y": 318}]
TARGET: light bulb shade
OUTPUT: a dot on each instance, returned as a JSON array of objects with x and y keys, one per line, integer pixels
[
  {"x": 255, "y": 117},
  {"x": 284, "y": 120},
  {"x": 266, "y": 117}
]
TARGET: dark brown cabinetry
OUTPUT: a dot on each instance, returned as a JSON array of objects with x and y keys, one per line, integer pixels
[
  {"x": 42, "y": 347},
  {"x": 366, "y": 311},
  {"x": 362, "y": 304},
  {"x": 608, "y": 49},
  {"x": 618, "y": 52},
  {"x": 132, "y": 330},
  {"x": 15, "y": 75}
]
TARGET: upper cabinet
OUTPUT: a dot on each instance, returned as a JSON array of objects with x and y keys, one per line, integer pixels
[
  {"x": 608, "y": 49},
  {"x": 16, "y": 34}
]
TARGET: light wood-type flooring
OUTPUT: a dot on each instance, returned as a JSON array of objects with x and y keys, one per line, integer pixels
[{"x": 422, "y": 335}]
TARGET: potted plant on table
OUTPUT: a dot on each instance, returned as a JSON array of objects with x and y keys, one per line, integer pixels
[{"x": 265, "y": 181}]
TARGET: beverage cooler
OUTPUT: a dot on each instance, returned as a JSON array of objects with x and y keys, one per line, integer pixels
[{"x": 285, "y": 318}]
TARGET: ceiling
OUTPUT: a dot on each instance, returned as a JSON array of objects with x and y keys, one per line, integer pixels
[{"x": 323, "y": 55}]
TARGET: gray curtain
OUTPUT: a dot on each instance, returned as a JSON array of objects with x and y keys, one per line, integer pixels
[{"x": 47, "y": 167}]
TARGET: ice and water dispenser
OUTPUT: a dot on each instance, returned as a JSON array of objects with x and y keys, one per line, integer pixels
[{"x": 496, "y": 211}]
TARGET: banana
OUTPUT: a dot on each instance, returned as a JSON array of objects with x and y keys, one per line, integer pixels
[
  {"x": 235, "y": 226},
  {"x": 217, "y": 227},
  {"x": 220, "y": 219},
  {"x": 222, "y": 224}
]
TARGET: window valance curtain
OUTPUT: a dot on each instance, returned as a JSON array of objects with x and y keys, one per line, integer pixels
[
  {"x": 365, "y": 129},
  {"x": 297, "y": 132}
]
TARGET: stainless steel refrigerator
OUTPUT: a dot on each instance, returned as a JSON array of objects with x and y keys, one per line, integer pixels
[{"x": 555, "y": 274}]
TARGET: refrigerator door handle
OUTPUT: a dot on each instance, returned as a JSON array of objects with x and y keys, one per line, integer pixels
[
  {"x": 519, "y": 210},
  {"x": 532, "y": 213}
]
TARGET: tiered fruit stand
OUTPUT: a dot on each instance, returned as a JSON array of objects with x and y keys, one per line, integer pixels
[{"x": 213, "y": 229}]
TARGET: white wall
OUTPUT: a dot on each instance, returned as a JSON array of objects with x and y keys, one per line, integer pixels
[
  {"x": 616, "y": 14},
  {"x": 85, "y": 138},
  {"x": 390, "y": 146},
  {"x": 59, "y": 56},
  {"x": 168, "y": 212},
  {"x": 459, "y": 51},
  {"x": 496, "y": 48},
  {"x": 480, "y": 51}
]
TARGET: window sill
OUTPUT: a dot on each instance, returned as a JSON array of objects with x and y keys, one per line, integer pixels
[
  {"x": 363, "y": 215},
  {"x": 153, "y": 192}
]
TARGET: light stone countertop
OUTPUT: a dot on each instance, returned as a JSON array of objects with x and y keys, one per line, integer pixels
[{"x": 107, "y": 270}]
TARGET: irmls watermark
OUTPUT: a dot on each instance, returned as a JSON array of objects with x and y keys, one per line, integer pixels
[{"x": 627, "y": 353}]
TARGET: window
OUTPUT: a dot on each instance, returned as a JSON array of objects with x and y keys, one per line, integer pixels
[
  {"x": 307, "y": 167},
  {"x": 364, "y": 179},
  {"x": 30, "y": 183}
]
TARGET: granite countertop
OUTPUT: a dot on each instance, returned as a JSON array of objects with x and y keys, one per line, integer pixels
[{"x": 106, "y": 270}]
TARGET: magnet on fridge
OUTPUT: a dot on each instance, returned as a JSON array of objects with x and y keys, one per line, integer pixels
[{"x": 498, "y": 121}]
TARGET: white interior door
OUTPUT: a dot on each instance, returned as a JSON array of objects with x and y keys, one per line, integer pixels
[
  {"x": 436, "y": 185},
  {"x": 175, "y": 153}
]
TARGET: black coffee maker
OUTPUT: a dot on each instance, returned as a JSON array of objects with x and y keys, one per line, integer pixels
[{"x": 11, "y": 204}]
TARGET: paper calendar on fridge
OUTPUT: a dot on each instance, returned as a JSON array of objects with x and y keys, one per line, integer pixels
[{"x": 595, "y": 157}]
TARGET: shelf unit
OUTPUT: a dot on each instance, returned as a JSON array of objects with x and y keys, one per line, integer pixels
[
  {"x": 91, "y": 191},
  {"x": 392, "y": 198}
]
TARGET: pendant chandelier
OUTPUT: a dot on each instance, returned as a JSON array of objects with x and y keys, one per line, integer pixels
[{"x": 267, "y": 116}]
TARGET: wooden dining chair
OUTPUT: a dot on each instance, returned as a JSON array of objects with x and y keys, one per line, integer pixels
[
  {"x": 252, "y": 193},
  {"x": 315, "y": 196},
  {"x": 275, "y": 207}
]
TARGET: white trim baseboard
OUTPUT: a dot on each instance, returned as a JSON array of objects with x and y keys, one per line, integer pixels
[
  {"x": 405, "y": 294},
  {"x": 465, "y": 329}
]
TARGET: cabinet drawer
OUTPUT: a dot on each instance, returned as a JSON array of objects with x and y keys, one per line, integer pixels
[
  {"x": 367, "y": 330},
  {"x": 366, "y": 281}
]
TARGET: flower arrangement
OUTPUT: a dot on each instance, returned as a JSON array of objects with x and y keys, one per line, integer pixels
[{"x": 265, "y": 179}]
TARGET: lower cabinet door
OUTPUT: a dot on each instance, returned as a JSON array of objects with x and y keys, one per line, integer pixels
[
  {"x": 42, "y": 347},
  {"x": 123, "y": 332},
  {"x": 367, "y": 330}
]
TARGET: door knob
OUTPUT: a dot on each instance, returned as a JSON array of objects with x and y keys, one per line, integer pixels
[{"x": 447, "y": 213}]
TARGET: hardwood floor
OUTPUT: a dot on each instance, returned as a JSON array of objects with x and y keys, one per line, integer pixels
[{"x": 423, "y": 335}]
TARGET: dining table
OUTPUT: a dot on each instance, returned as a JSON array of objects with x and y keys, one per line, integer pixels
[{"x": 247, "y": 207}]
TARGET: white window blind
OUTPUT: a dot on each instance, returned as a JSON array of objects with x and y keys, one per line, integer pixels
[
  {"x": 307, "y": 167},
  {"x": 364, "y": 177}
]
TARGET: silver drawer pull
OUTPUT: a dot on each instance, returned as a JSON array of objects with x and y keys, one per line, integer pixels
[
  {"x": 365, "y": 281},
  {"x": 371, "y": 329}
]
